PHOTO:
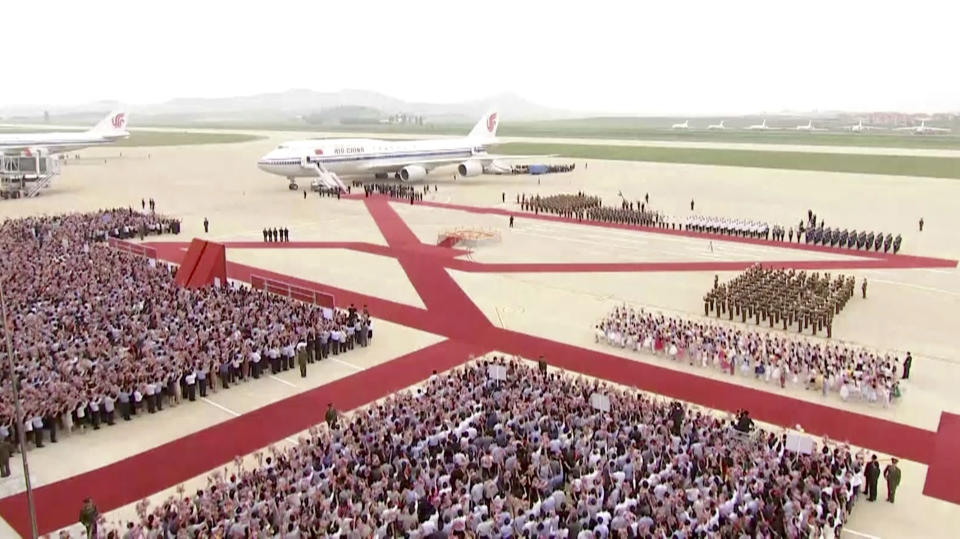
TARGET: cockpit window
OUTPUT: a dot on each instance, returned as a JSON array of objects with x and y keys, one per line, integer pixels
[{"x": 281, "y": 147}]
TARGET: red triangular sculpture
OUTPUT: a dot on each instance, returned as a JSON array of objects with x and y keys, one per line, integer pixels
[{"x": 204, "y": 264}]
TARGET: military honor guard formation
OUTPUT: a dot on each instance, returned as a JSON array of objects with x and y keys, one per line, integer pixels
[{"x": 781, "y": 297}]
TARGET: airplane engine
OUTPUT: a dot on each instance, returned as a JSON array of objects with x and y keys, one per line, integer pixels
[
  {"x": 412, "y": 173},
  {"x": 470, "y": 168}
]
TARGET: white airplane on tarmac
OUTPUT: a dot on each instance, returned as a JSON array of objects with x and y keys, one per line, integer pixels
[
  {"x": 923, "y": 129},
  {"x": 809, "y": 127},
  {"x": 760, "y": 127},
  {"x": 860, "y": 128},
  {"x": 325, "y": 159},
  {"x": 107, "y": 131},
  {"x": 684, "y": 125},
  {"x": 719, "y": 126}
]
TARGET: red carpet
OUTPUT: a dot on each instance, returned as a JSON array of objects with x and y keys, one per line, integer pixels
[{"x": 451, "y": 313}]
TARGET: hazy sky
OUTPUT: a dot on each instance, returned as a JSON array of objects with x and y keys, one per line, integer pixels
[{"x": 634, "y": 56}]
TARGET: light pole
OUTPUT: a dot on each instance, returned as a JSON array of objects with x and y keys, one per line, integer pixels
[{"x": 19, "y": 414}]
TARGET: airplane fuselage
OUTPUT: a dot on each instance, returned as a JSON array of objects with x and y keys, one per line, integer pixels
[
  {"x": 54, "y": 142},
  {"x": 357, "y": 157}
]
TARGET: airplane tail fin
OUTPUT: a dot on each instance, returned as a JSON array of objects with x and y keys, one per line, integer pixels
[
  {"x": 115, "y": 123},
  {"x": 486, "y": 128}
]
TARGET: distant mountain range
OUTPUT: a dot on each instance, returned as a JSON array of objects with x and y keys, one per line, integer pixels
[{"x": 294, "y": 105}]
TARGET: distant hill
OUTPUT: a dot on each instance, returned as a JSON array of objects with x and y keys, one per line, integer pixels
[{"x": 294, "y": 105}]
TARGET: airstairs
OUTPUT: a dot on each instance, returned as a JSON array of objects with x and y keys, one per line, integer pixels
[{"x": 326, "y": 179}]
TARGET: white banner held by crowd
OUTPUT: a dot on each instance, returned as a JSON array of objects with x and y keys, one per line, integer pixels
[
  {"x": 599, "y": 401},
  {"x": 327, "y": 313},
  {"x": 497, "y": 372},
  {"x": 799, "y": 443}
]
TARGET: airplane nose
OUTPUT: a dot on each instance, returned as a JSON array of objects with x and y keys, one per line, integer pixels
[{"x": 263, "y": 163}]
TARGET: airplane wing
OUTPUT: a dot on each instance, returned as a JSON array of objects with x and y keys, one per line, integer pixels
[{"x": 938, "y": 129}]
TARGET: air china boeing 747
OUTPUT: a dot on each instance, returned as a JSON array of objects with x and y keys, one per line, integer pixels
[
  {"x": 107, "y": 131},
  {"x": 325, "y": 159}
]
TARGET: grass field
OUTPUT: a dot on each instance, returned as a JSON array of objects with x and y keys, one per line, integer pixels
[
  {"x": 633, "y": 129},
  {"x": 937, "y": 167}
]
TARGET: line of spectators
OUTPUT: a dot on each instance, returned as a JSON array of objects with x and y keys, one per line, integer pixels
[
  {"x": 542, "y": 169},
  {"x": 273, "y": 235},
  {"x": 396, "y": 190},
  {"x": 776, "y": 358},
  {"x": 529, "y": 456},
  {"x": 100, "y": 334}
]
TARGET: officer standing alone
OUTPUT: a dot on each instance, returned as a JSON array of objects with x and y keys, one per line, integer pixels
[
  {"x": 863, "y": 288},
  {"x": 892, "y": 474}
]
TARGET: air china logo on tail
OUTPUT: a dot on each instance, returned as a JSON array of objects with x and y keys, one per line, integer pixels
[
  {"x": 119, "y": 121},
  {"x": 492, "y": 122}
]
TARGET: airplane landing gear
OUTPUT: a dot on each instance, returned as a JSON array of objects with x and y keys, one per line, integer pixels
[{"x": 293, "y": 184}]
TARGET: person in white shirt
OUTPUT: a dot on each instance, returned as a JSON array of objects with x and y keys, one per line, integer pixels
[
  {"x": 191, "y": 386},
  {"x": 151, "y": 395}
]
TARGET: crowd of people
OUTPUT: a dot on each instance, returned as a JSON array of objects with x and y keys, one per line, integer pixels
[
  {"x": 776, "y": 358},
  {"x": 99, "y": 334},
  {"x": 124, "y": 223},
  {"x": 527, "y": 454},
  {"x": 779, "y": 296},
  {"x": 397, "y": 190}
]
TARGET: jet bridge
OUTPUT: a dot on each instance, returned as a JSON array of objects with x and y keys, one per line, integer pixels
[{"x": 27, "y": 173}]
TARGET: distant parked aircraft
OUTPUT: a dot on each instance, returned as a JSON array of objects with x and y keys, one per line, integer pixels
[
  {"x": 684, "y": 125},
  {"x": 924, "y": 129},
  {"x": 809, "y": 127},
  {"x": 760, "y": 127},
  {"x": 860, "y": 128},
  {"x": 719, "y": 126}
]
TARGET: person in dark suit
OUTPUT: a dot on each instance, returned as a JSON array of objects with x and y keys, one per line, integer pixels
[
  {"x": 906, "y": 366},
  {"x": 873, "y": 476}
]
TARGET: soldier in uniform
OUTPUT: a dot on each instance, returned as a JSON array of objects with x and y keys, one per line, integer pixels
[
  {"x": 331, "y": 416},
  {"x": 302, "y": 358},
  {"x": 896, "y": 244},
  {"x": 863, "y": 288},
  {"x": 887, "y": 242},
  {"x": 878, "y": 242}
]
